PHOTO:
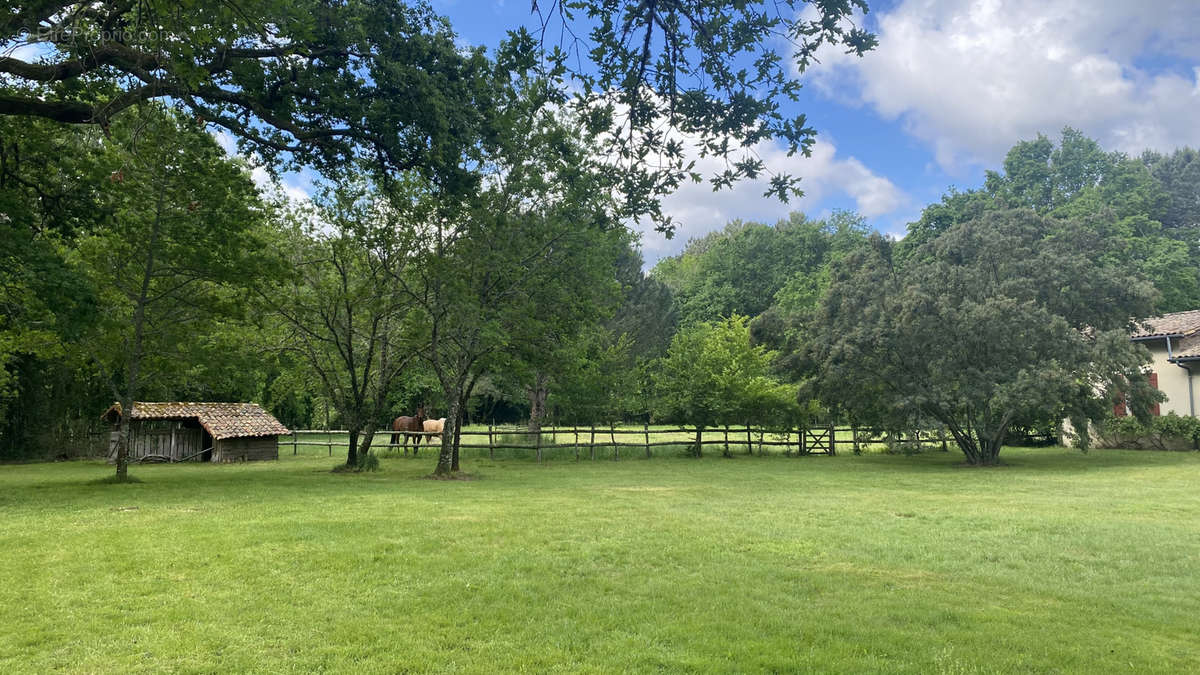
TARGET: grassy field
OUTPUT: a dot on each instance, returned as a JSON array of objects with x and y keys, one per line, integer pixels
[{"x": 1059, "y": 562}]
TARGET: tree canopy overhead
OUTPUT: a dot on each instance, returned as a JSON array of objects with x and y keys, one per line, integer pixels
[
  {"x": 319, "y": 83},
  {"x": 676, "y": 79},
  {"x": 307, "y": 82}
]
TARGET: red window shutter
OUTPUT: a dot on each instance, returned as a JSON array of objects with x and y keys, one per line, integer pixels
[
  {"x": 1154, "y": 383},
  {"x": 1119, "y": 408}
]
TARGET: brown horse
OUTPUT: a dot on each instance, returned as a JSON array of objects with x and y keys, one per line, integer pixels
[{"x": 405, "y": 423}]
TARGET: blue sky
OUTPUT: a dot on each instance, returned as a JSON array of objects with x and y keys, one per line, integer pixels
[{"x": 952, "y": 85}]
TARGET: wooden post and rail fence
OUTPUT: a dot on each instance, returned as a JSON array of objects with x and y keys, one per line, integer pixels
[
  {"x": 628, "y": 441},
  {"x": 812, "y": 440}
]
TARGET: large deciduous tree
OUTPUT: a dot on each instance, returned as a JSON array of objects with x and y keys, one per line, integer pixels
[
  {"x": 1179, "y": 175},
  {"x": 562, "y": 316},
  {"x": 529, "y": 253},
  {"x": 481, "y": 291},
  {"x": 51, "y": 188},
  {"x": 1139, "y": 207},
  {"x": 712, "y": 375},
  {"x": 341, "y": 306},
  {"x": 743, "y": 268},
  {"x": 1007, "y": 320},
  {"x": 174, "y": 255}
]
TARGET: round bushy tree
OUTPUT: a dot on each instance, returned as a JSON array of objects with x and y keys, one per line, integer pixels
[
  {"x": 713, "y": 375},
  {"x": 1002, "y": 321}
]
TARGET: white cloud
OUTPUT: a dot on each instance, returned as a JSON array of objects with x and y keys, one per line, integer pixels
[
  {"x": 26, "y": 51},
  {"x": 296, "y": 186},
  {"x": 972, "y": 77},
  {"x": 698, "y": 210}
]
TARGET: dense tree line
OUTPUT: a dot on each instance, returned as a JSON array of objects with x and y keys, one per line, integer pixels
[
  {"x": 466, "y": 248},
  {"x": 121, "y": 284},
  {"x": 1003, "y": 307}
]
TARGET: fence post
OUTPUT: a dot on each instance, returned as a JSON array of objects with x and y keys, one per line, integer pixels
[
  {"x": 592, "y": 443},
  {"x": 612, "y": 438},
  {"x": 832, "y": 439},
  {"x": 294, "y": 446},
  {"x": 727, "y": 440},
  {"x": 576, "y": 432},
  {"x": 491, "y": 446},
  {"x": 854, "y": 438},
  {"x": 803, "y": 440},
  {"x": 749, "y": 445},
  {"x": 646, "y": 432},
  {"x": 539, "y": 445}
]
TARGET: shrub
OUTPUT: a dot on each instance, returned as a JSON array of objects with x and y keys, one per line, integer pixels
[
  {"x": 1175, "y": 426},
  {"x": 1161, "y": 433},
  {"x": 1124, "y": 426}
]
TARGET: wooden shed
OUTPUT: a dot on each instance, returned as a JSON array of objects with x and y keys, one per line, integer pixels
[{"x": 201, "y": 432}]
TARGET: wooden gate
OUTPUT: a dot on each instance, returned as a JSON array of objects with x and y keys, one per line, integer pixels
[{"x": 818, "y": 441}]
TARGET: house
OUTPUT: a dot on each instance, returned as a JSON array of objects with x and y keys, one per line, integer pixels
[
  {"x": 204, "y": 432},
  {"x": 1174, "y": 343}
]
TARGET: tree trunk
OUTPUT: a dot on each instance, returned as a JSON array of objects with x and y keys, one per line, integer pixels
[
  {"x": 698, "y": 448},
  {"x": 989, "y": 447},
  {"x": 981, "y": 451},
  {"x": 462, "y": 420},
  {"x": 368, "y": 437},
  {"x": 123, "y": 445},
  {"x": 352, "y": 452},
  {"x": 462, "y": 415},
  {"x": 989, "y": 453},
  {"x": 136, "y": 348},
  {"x": 537, "y": 401},
  {"x": 445, "y": 463}
]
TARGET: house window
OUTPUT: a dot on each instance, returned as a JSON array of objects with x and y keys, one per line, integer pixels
[{"x": 1121, "y": 410}]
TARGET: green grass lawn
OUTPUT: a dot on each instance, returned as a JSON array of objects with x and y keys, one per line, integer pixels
[{"x": 1058, "y": 562}]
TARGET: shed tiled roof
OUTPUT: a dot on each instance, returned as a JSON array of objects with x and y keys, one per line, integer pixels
[
  {"x": 1176, "y": 323},
  {"x": 221, "y": 420}
]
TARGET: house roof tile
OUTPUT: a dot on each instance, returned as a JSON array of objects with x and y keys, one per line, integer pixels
[
  {"x": 1177, "y": 323},
  {"x": 1187, "y": 348}
]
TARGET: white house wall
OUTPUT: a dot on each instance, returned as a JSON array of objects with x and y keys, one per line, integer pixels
[{"x": 1172, "y": 380}]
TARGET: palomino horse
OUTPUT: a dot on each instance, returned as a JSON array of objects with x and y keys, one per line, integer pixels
[
  {"x": 435, "y": 425},
  {"x": 405, "y": 423}
]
